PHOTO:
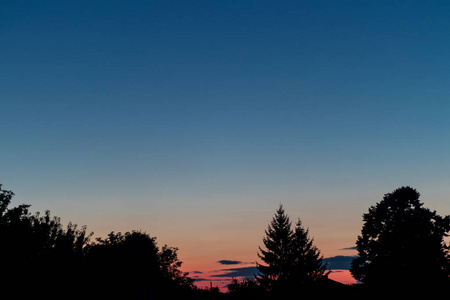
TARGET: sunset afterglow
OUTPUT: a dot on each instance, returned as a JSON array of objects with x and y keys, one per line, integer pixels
[{"x": 193, "y": 121}]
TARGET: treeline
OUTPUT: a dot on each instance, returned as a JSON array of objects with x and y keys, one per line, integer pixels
[
  {"x": 402, "y": 252},
  {"x": 401, "y": 248},
  {"x": 42, "y": 258}
]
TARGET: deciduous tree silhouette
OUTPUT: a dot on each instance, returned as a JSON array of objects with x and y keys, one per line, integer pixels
[
  {"x": 37, "y": 250},
  {"x": 40, "y": 256},
  {"x": 402, "y": 243},
  {"x": 292, "y": 261},
  {"x": 124, "y": 265},
  {"x": 170, "y": 266},
  {"x": 135, "y": 266}
]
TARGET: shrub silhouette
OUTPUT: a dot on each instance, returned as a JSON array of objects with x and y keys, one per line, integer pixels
[{"x": 245, "y": 289}]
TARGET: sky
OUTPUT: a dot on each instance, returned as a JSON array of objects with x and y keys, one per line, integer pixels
[{"x": 194, "y": 120}]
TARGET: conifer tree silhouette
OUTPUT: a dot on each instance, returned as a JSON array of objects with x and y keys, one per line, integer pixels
[
  {"x": 277, "y": 251},
  {"x": 307, "y": 261},
  {"x": 291, "y": 259}
]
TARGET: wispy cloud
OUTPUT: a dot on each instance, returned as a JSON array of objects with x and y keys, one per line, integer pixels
[
  {"x": 200, "y": 279},
  {"x": 229, "y": 262},
  {"x": 339, "y": 262},
  {"x": 238, "y": 272},
  {"x": 233, "y": 262},
  {"x": 227, "y": 273},
  {"x": 349, "y": 248}
]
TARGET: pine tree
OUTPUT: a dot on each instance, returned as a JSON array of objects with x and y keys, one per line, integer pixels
[
  {"x": 277, "y": 253},
  {"x": 307, "y": 262},
  {"x": 291, "y": 258}
]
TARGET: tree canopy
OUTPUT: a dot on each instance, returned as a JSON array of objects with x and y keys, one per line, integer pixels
[
  {"x": 402, "y": 243},
  {"x": 39, "y": 254}
]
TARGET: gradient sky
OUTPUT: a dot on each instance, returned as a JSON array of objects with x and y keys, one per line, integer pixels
[{"x": 194, "y": 120}]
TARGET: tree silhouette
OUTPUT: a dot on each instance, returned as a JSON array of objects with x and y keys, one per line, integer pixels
[
  {"x": 37, "y": 250},
  {"x": 136, "y": 266},
  {"x": 292, "y": 261},
  {"x": 277, "y": 252},
  {"x": 402, "y": 244},
  {"x": 39, "y": 255},
  {"x": 124, "y": 265},
  {"x": 307, "y": 262},
  {"x": 170, "y": 266}
]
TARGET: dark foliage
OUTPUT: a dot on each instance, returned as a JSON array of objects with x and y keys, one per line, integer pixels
[
  {"x": 402, "y": 244},
  {"x": 246, "y": 289},
  {"x": 134, "y": 265},
  {"x": 292, "y": 262},
  {"x": 36, "y": 250},
  {"x": 307, "y": 266},
  {"x": 277, "y": 251},
  {"x": 41, "y": 257}
]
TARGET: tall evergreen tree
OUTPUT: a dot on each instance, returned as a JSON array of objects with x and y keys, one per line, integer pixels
[
  {"x": 277, "y": 253},
  {"x": 291, "y": 258},
  {"x": 307, "y": 261}
]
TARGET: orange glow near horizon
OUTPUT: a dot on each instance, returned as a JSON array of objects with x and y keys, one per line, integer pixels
[
  {"x": 342, "y": 276},
  {"x": 213, "y": 275}
]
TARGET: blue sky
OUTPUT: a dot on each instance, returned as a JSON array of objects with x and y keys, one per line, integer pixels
[{"x": 152, "y": 114}]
